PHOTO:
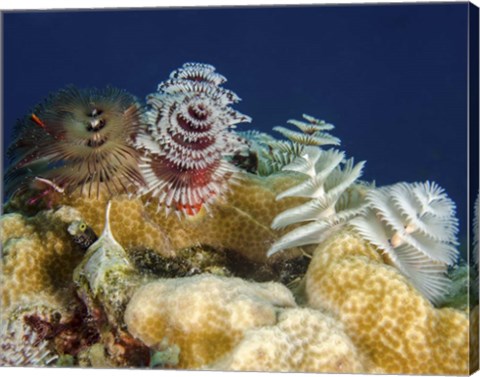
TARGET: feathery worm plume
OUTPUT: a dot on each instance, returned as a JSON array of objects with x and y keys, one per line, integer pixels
[
  {"x": 415, "y": 226},
  {"x": 78, "y": 139},
  {"x": 329, "y": 175},
  {"x": 21, "y": 346},
  {"x": 187, "y": 139}
]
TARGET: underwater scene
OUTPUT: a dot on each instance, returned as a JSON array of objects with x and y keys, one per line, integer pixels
[{"x": 278, "y": 189}]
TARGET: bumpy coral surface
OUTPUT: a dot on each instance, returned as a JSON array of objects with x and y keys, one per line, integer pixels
[
  {"x": 474, "y": 329},
  {"x": 385, "y": 316},
  {"x": 212, "y": 239},
  {"x": 240, "y": 223},
  {"x": 38, "y": 258},
  {"x": 303, "y": 340},
  {"x": 205, "y": 315}
]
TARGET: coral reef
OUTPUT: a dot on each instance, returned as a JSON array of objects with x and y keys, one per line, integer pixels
[
  {"x": 77, "y": 138},
  {"x": 474, "y": 341},
  {"x": 187, "y": 138},
  {"x": 384, "y": 315},
  {"x": 249, "y": 207},
  {"x": 474, "y": 255},
  {"x": 473, "y": 286},
  {"x": 257, "y": 253},
  {"x": 204, "y": 315},
  {"x": 302, "y": 340},
  {"x": 38, "y": 259},
  {"x": 41, "y": 316}
]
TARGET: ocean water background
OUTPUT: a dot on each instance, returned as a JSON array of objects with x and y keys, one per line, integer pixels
[{"x": 391, "y": 78}]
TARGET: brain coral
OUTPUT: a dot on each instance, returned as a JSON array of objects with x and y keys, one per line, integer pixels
[
  {"x": 385, "y": 316},
  {"x": 303, "y": 340},
  {"x": 474, "y": 332},
  {"x": 38, "y": 258},
  {"x": 204, "y": 315},
  {"x": 240, "y": 223}
]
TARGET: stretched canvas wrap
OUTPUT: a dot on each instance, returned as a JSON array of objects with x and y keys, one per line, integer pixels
[{"x": 281, "y": 189}]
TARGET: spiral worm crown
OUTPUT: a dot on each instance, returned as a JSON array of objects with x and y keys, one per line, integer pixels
[
  {"x": 78, "y": 139},
  {"x": 187, "y": 137}
]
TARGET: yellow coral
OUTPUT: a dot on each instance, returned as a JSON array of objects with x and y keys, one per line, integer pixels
[
  {"x": 38, "y": 258},
  {"x": 303, "y": 340},
  {"x": 205, "y": 315},
  {"x": 364, "y": 315},
  {"x": 474, "y": 339},
  {"x": 239, "y": 222},
  {"x": 383, "y": 313}
]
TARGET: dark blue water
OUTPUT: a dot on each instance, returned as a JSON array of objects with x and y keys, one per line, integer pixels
[{"x": 393, "y": 79}]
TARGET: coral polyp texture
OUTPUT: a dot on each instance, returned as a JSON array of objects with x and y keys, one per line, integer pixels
[
  {"x": 77, "y": 138},
  {"x": 302, "y": 340},
  {"x": 188, "y": 137},
  {"x": 239, "y": 225},
  {"x": 383, "y": 313},
  {"x": 157, "y": 236},
  {"x": 204, "y": 315},
  {"x": 38, "y": 259}
]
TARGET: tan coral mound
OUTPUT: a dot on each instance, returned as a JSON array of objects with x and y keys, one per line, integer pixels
[
  {"x": 38, "y": 259},
  {"x": 383, "y": 314},
  {"x": 239, "y": 222},
  {"x": 474, "y": 339},
  {"x": 205, "y": 315},
  {"x": 303, "y": 340}
]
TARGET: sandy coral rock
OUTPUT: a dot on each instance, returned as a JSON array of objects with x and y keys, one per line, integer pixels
[
  {"x": 303, "y": 340},
  {"x": 474, "y": 339},
  {"x": 38, "y": 258},
  {"x": 204, "y": 315},
  {"x": 383, "y": 313},
  {"x": 239, "y": 222}
]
